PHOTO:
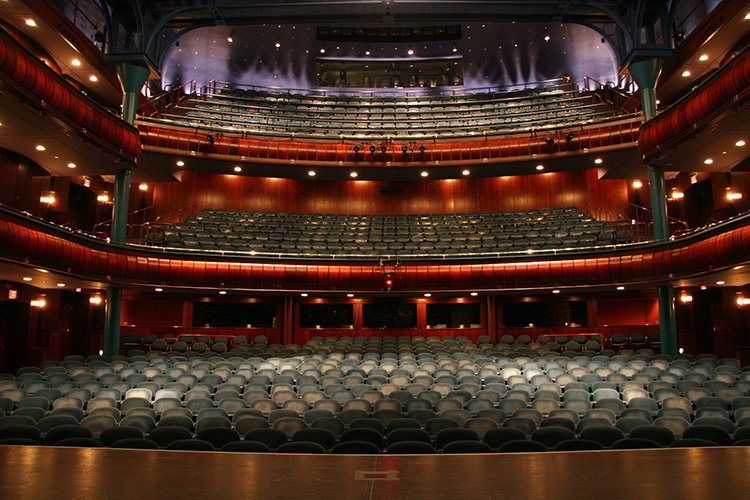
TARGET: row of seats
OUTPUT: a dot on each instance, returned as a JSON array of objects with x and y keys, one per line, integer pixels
[
  {"x": 405, "y": 236},
  {"x": 270, "y": 112},
  {"x": 475, "y": 391},
  {"x": 364, "y": 438}
]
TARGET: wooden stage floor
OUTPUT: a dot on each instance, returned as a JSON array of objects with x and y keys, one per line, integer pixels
[{"x": 38, "y": 473}]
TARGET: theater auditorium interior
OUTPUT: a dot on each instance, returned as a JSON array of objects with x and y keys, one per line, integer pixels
[{"x": 374, "y": 249}]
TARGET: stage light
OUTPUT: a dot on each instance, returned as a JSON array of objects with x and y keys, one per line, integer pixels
[
  {"x": 422, "y": 148},
  {"x": 372, "y": 149},
  {"x": 383, "y": 149},
  {"x": 404, "y": 149}
]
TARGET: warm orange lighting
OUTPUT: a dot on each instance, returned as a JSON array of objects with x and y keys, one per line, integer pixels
[
  {"x": 742, "y": 301},
  {"x": 49, "y": 200},
  {"x": 686, "y": 298},
  {"x": 143, "y": 186},
  {"x": 353, "y": 174},
  {"x": 104, "y": 198},
  {"x": 95, "y": 300},
  {"x": 678, "y": 195},
  {"x": 465, "y": 172},
  {"x": 637, "y": 184},
  {"x": 686, "y": 74},
  {"x": 732, "y": 196},
  {"x": 38, "y": 303}
]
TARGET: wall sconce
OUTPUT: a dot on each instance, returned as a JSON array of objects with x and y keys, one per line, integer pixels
[
  {"x": 637, "y": 184},
  {"x": 49, "y": 200},
  {"x": 95, "y": 300},
  {"x": 104, "y": 197},
  {"x": 686, "y": 298},
  {"x": 40, "y": 303},
  {"x": 732, "y": 196},
  {"x": 742, "y": 301}
]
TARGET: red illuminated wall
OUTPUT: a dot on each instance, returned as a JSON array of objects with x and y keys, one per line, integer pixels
[{"x": 605, "y": 199}]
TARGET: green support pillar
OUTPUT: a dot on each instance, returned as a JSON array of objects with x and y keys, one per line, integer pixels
[
  {"x": 132, "y": 77},
  {"x": 646, "y": 73}
]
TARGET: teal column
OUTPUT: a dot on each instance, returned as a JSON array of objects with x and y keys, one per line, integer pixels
[
  {"x": 112, "y": 312},
  {"x": 646, "y": 73},
  {"x": 132, "y": 77}
]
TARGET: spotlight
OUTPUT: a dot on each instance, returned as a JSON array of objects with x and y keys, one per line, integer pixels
[
  {"x": 422, "y": 148},
  {"x": 569, "y": 137},
  {"x": 549, "y": 140},
  {"x": 404, "y": 149},
  {"x": 210, "y": 139},
  {"x": 356, "y": 148},
  {"x": 372, "y": 149},
  {"x": 383, "y": 149}
]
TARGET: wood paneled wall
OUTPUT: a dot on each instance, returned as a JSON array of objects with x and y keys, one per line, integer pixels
[{"x": 605, "y": 199}]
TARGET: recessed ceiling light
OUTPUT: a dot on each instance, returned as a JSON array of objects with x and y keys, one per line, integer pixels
[
  {"x": 158, "y": 289},
  {"x": 555, "y": 291},
  {"x": 230, "y": 39},
  {"x": 75, "y": 62},
  {"x": 367, "y": 52},
  {"x": 180, "y": 163},
  {"x": 94, "y": 78},
  {"x": 278, "y": 45},
  {"x": 72, "y": 165},
  {"x": 222, "y": 292},
  {"x": 739, "y": 143},
  {"x": 424, "y": 174},
  {"x": 474, "y": 294},
  {"x": 61, "y": 285},
  {"x": 465, "y": 172},
  {"x": 27, "y": 278},
  {"x": 41, "y": 148},
  {"x": 303, "y": 295},
  {"x": 621, "y": 288},
  {"x": 540, "y": 167},
  {"x": 30, "y": 22},
  {"x": 708, "y": 161},
  {"x": 428, "y": 295},
  {"x": 598, "y": 161},
  {"x": 747, "y": 16},
  {"x": 686, "y": 73},
  {"x": 238, "y": 169},
  {"x": 721, "y": 282},
  {"x": 703, "y": 57},
  {"x": 353, "y": 174},
  {"x": 350, "y": 295},
  {"x": 547, "y": 38},
  {"x": 311, "y": 173},
  {"x": 410, "y": 52},
  {"x": 322, "y": 51},
  {"x": 704, "y": 287}
]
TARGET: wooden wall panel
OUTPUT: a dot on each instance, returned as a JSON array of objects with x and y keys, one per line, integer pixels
[{"x": 177, "y": 201}]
